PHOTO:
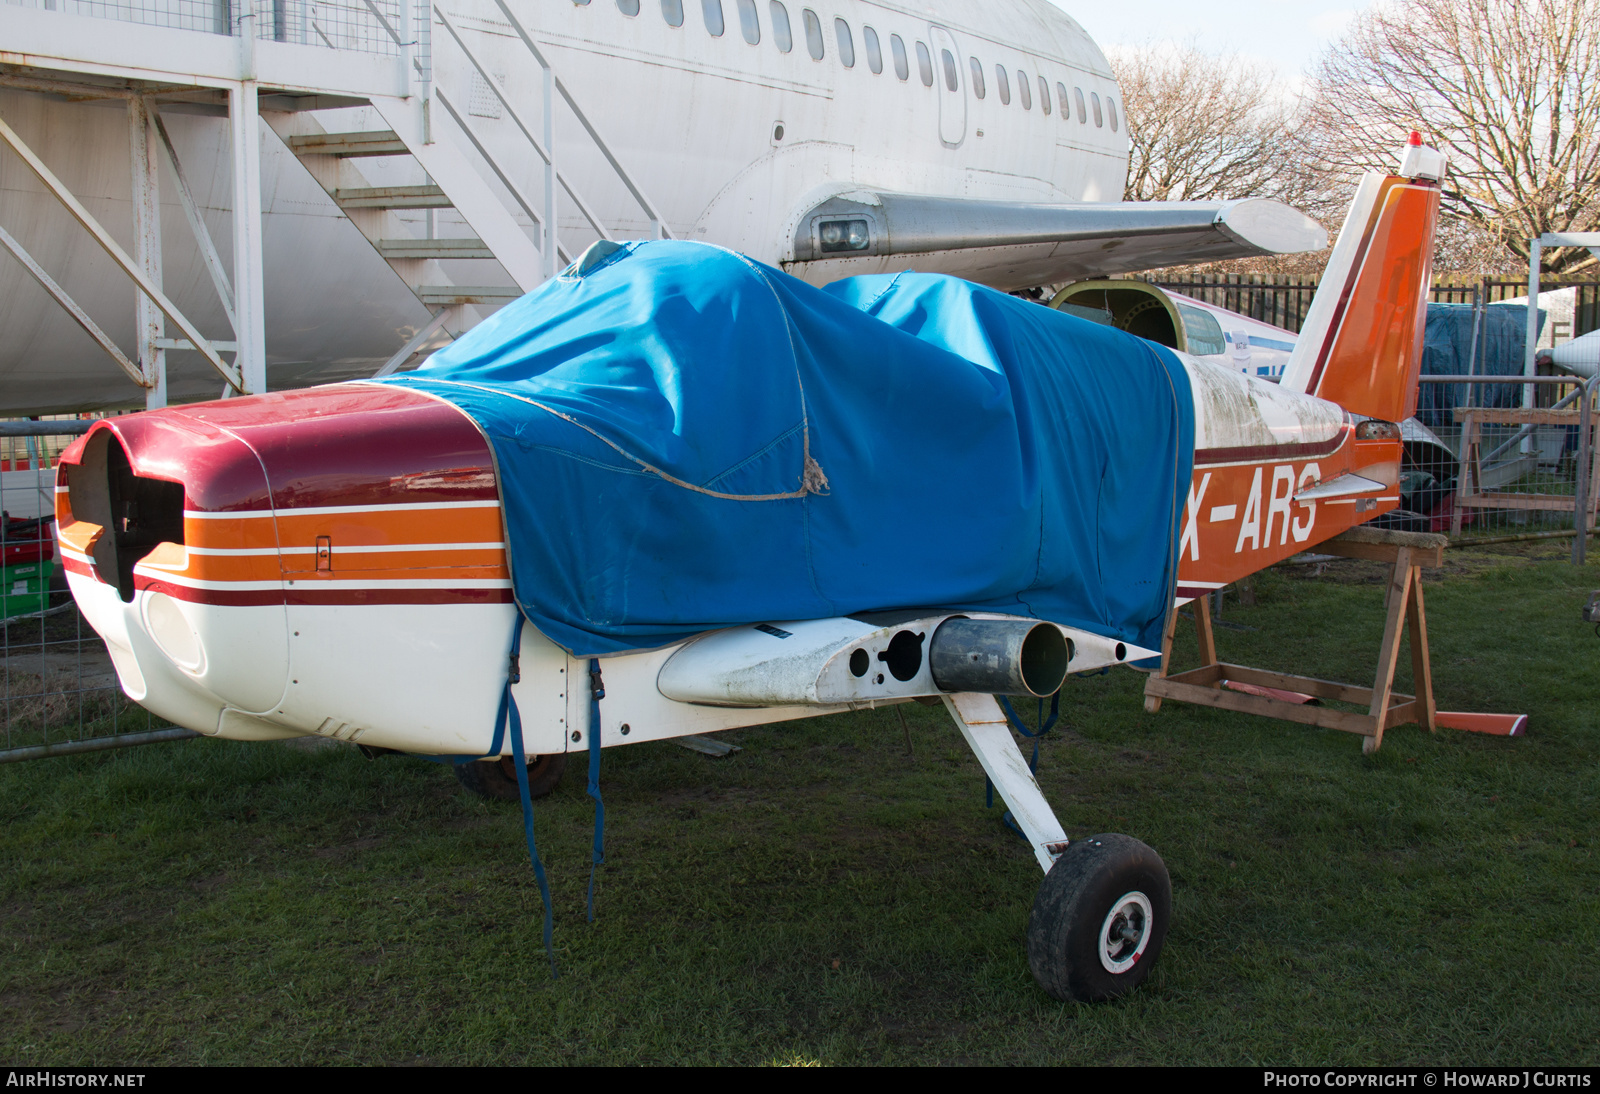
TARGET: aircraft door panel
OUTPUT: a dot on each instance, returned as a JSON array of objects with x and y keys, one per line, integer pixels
[{"x": 948, "y": 83}]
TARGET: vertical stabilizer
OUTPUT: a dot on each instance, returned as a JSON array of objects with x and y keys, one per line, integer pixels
[{"x": 1361, "y": 345}]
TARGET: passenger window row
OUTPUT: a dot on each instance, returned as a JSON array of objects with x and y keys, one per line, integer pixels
[{"x": 1102, "y": 111}]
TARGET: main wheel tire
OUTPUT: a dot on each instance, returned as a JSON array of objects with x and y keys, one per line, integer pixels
[
  {"x": 1099, "y": 919},
  {"x": 497, "y": 779}
]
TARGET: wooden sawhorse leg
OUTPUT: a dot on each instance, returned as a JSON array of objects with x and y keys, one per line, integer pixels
[
  {"x": 1201, "y": 605},
  {"x": 1404, "y": 603}
]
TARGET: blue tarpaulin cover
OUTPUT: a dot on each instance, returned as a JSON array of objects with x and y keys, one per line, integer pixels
[
  {"x": 686, "y": 439},
  {"x": 1447, "y": 350}
]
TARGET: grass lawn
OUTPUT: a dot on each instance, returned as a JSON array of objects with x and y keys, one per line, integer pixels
[{"x": 822, "y": 896}]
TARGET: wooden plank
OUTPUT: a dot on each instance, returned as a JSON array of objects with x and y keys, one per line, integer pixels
[
  {"x": 1421, "y": 668},
  {"x": 1399, "y": 589},
  {"x": 1382, "y": 552},
  {"x": 1152, "y": 703},
  {"x": 1323, "y": 717},
  {"x": 1400, "y": 714},
  {"x": 1469, "y": 455},
  {"x": 1557, "y": 502},
  {"x": 1202, "y": 630},
  {"x": 1518, "y": 416},
  {"x": 1204, "y": 676},
  {"x": 1322, "y": 689}
]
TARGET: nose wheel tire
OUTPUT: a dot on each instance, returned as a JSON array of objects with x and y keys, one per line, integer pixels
[
  {"x": 497, "y": 779},
  {"x": 1099, "y": 919}
]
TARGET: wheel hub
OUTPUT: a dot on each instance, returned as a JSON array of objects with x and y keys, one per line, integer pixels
[{"x": 1125, "y": 932}]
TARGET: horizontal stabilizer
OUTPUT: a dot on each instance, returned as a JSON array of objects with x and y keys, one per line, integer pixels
[
  {"x": 1498, "y": 725},
  {"x": 1342, "y": 487}
]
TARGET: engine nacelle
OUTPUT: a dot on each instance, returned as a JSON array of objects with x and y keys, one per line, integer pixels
[{"x": 883, "y": 656}]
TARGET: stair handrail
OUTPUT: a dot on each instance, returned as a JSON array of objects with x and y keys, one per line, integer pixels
[
  {"x": 658, "y": 225},
  {"x": 539, "y": 148}
]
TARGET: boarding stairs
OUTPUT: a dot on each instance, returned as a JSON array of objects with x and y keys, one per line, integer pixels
[{"x": 381, "y": 114}]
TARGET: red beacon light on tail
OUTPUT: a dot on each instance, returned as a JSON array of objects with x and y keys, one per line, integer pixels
[{"x": 1418, "y": 161}]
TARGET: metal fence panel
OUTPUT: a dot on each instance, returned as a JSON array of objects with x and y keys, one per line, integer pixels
[
  {"x": 58, "y": 690},
  {"x": 1519, "y": 470}
]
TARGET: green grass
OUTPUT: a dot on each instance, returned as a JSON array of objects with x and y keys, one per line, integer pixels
[{"x": 824, "y": 897}]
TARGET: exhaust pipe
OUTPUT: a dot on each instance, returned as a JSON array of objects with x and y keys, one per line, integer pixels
[{"x": 999, "y": 656}]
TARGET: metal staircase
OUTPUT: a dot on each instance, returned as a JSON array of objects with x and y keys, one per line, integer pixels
[
  {"x": 360, "y": 108},
  {"x": 333, "y": 160}
]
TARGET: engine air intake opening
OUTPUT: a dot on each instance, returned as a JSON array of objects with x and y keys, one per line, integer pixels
[{"x": 137, "y": 513}]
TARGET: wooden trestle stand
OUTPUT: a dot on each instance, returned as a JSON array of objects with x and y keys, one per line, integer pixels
[{"x": 1217, "y": 684}]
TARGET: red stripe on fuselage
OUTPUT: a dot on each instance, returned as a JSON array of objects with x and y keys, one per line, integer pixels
[
  {"x": 1265, "y": 453},
  {"x": 263, "y": 597}
]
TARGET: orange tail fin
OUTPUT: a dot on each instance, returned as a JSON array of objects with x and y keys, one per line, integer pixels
[{"x": 1361, "y": 345}]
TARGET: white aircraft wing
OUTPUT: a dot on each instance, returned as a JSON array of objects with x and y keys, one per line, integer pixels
[{"x": 1015, "y": 245}]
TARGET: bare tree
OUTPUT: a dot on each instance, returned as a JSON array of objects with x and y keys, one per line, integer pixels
[
  {"x": 1509, "y": 89},
  {"x": 1202, "y": 127}
]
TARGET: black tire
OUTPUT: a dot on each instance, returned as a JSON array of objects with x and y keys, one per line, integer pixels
[
  {"x": 1077, "y": 947},
  {"x": 497, "y": 779}
]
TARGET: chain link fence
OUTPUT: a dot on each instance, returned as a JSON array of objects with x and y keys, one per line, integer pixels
[
  {"x": 58, "y": 690},
  {"x": 1520, "y": 461}
]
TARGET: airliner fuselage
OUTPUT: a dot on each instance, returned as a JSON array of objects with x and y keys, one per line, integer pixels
[{"x": 736, "y": 117}]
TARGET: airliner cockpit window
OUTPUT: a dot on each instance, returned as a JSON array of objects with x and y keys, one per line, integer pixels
[
  {"x": 1002, "y": 80},
  {"x": 628, "y": 7},
  {"x": 949, "y": 69},
  {"x": 780, "y": 27},
  {"x": 1094, "y": 101},
  {"x": 1061, "y": 97},
  {"x": 925, "y": 65},
  {"x": 1024, "y": 90},
  {"x": 1083, "y": 111},
  {"x": 869, "y": 38},
  {"x": 749, "y": 22},
  {"x": 977, "y": 77},
  {"x": 712, "y": 10},
  {"x": 902, "y": 67},
  {"x": 672, "y": 12},
  {"x": 1111, "y": 113},
  {"x": 847, "y": 45},
  {"x": 813, "y": 33},
  {"x": 1044, "y": 95}
]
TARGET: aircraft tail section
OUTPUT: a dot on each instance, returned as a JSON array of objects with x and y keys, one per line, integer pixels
[{"x": 1361, "y": 344}]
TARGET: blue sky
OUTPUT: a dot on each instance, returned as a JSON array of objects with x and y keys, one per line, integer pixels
[{"x": 1288, "y": 36}]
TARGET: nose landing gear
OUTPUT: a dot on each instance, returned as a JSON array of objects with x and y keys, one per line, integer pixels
[
  {"x": 497, "y": 779},
  {"x": 1099, "y": 919}
]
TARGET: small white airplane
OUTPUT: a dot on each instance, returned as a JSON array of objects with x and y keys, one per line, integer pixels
[
  {"x": 320, "y": 561},
  {"x": 979, "y": 138},
  {"x": 1204, "y": 331}
]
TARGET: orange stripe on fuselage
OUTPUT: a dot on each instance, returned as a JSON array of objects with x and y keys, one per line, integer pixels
[
  {"x": 257, "y": 531},
  {"x": 394, "y": 527}
]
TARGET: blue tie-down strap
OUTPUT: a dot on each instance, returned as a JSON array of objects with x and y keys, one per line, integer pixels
[
  {"x": 509, "y": 712},
  {"x": 1045, "y": 726},
  {"x": 509, "y": 715},
  {"x": 597, "y": 692}
]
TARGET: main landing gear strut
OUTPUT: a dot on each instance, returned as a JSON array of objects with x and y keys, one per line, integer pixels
[{"x": 1101, "y": 913}]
